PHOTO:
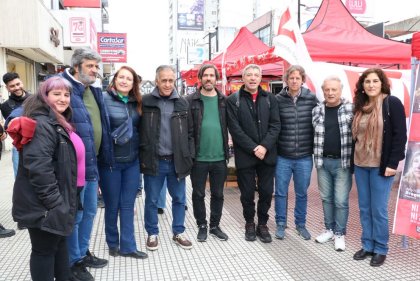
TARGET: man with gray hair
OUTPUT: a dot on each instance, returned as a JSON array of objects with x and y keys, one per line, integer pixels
[
  {"x": 332, "y": 121},
  {"x": 253, "y": 121},
  {"x": 166, "y": 153},
  {"x": 89, "y": 119}
]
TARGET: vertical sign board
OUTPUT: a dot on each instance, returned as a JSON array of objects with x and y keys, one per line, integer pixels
[
  {"x": 78, "y": 30},
  {"x": 93, "y": 38},
  {"x": 190, "y": 14},
  {"x": 82, "y": 3},
  {"x": 112, "y": 47}
]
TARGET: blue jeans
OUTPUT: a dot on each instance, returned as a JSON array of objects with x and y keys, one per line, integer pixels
[
  {"x": 119, "y": 189},
  {"x": 15, "y": 160},
  {"x": 334, "y": 183},
  {"x": 78, "y": 241},
  {"x": 153, "y": 186},
  {"x": 301, "y": 170},
  {"x": 161, "y": 203},
  {"x": 373, "y": 191}
]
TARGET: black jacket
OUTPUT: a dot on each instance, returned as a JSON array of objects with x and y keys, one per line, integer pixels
[
  {"x": 182, "y": 136},
  {"x": 119, "y": 112},
  {"x": 394, "y": 134},
  {"x": 197, "y": 111},
  {"x": 13, "y": 102},
  {"x": 44, "y": 193},
  {"x": 253, "y": 124},
  {"x": 296, "y": 139}
]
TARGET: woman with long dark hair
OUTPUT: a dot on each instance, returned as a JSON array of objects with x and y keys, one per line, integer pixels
[
  {"x": 45, "y": 190},
  {"x": 119, "y": 167},
  {"x": 379, "y": 132}
]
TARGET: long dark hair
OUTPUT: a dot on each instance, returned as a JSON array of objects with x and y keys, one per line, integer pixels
[
  {"x": 360, "y": 97},
  {"x": 39, "y": 100},
  {"x": 135, "y": 91}
]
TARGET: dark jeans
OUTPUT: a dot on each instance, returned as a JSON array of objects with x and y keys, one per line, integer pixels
[
  {"x": 247, "y": 182},
  {"x": 217, "y": 172},
  {"x": 49, "y": 257}
]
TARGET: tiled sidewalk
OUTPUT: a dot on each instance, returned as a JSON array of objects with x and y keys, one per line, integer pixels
[{"x": 235, "y": 259}]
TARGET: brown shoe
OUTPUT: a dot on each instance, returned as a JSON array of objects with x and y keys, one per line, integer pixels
[
  {"x": 182, "y": 241},
  {"x": 152, "y": 243}
]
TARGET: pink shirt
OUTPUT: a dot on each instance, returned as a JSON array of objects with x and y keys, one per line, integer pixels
[{"x": 80, "y": 155}]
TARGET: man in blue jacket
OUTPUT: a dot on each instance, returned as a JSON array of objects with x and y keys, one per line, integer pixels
[{"x": 89, "y": 119}]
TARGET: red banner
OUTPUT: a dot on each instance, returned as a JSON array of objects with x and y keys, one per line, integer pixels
[
  {"x": 112, "y": 47},
  {"x": 407, "y": 212},
  {"x": 82, "y": 3}
]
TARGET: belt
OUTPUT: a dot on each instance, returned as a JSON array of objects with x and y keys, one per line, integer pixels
[
  {"x": 332, "y": 156},
  {"x": 166, "y": 157}
]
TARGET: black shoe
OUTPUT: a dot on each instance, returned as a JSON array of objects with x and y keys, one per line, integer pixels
[
  {"x": 21, "y": 227},
  {"x": 78, "y": 272},
  {"x": 250, "y": 234},
  {"x": 92, "y": 261},
  {"x": 101, "y": 203},
  {"x": 136, "y": 255},
  {"x": 361, "y": 255},
  {"x": 218, "y": 233},
  {"x": 202, "y": 233},
  {"x": 6, "y": 232},
  {"x": 186, "y": 208},
  {"x": 114, "y": 252},
  {"x": 263, "y": 234},
  {"x": 161, "y": 211},
  {"x": 377, "y": 260}
]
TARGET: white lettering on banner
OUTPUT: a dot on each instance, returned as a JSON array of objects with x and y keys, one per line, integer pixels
[
  {"x": 414, "y": 212},
  {"x": 111, "y": 40}
]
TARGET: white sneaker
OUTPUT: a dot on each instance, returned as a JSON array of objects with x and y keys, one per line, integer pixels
[
  {"x": 326, "y": 236},
  {"x": 339, "y": 243}
]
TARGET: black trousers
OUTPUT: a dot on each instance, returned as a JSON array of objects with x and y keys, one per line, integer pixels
[
  {"x": 217, "y": 172},
  {"x": 49, "y": 257},
  {"x": 263, "y": 176}
]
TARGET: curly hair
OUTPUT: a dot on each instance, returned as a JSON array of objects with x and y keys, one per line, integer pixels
[{"x": 360, "y": 97}]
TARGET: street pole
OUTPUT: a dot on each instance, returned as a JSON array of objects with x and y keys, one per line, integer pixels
[{"x": 299, "y": 13}]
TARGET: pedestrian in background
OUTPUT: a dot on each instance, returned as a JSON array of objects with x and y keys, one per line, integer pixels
[
  {"x": 4, "y": 232},
  {"x": 380, "y": 134},
  {"x": 209, "y": 117},
  {"x": 119, "y": 167},
  {"x": 254, "y": 124},
  {"x": 332, "y": 121},
  {"x": 45, "y": 190},
  {"x": 17, "y": 96},
  {"x": 90, "y": 121},
  {"x": 166, "y": 152},
  {"x": 294, "y": 149}
]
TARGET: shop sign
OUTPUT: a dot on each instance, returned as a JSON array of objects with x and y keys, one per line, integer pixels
[
  {"x": 112, "y": 47},
  {"x": 190, "y": 14},
  {"x": 82, "y": 3},
  {"x": 78, "y": 32},
  {"x": 356, "y": 6}
]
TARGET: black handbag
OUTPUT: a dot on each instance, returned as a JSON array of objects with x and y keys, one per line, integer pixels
[{"x": 123, "y": 133}]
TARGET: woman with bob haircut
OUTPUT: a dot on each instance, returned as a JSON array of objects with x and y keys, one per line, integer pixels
[
  {"x": 380, "y": 134},
  {"x": 45, "y": 190},
  {"x": 119, "y": 167}
]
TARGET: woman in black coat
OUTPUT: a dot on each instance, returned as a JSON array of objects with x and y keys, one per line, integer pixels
[{"x": 45, "y": 191}]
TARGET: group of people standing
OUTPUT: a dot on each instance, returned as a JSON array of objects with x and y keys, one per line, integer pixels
[{"x": 72, "y": 137}]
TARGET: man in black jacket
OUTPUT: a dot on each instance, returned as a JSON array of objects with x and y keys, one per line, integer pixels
[
  {"x": 166, "y": 152},
  {"x": 17, "y": 96},
  {"x": 208, "y": 110},
  {"x": 254, "y": 124},
  {"x": 295, "y": 148}
]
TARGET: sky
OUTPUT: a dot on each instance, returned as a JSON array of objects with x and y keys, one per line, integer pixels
[{"x": 146, "y": 25}]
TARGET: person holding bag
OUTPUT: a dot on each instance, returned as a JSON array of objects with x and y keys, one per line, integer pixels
[{"x": 119, "y": 168}]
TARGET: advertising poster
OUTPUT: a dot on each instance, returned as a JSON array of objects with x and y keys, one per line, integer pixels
[
  {"x": 190, "y": 14},
  {"x": 407, "y": 211},
  {"x": 112, "y": 47}
]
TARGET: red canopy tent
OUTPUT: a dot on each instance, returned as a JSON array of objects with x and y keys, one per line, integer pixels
[
  {"x": 415, "y": 45},
  {"x": 335, "y": 36}
]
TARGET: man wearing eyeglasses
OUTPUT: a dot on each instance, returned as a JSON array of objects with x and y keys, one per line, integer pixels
[{"x": 91, "y": 125}]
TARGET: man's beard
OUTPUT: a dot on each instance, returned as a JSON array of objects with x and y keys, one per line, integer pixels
[{"x": 85, "y": 79}]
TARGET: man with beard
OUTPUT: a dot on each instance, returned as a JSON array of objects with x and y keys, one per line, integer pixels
[
  {"x": 208, "y": 110},
  {"x": 89, "y": 120},
  {"x": 16, "y": 97}
]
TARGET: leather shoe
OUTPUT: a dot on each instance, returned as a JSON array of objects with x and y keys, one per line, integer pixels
[
  {"x": 361, "y": 255},
  {"x": 377, "y": 260},
  {"x": 136, "y": 255},
  {"x": 115, "y": 252}
]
